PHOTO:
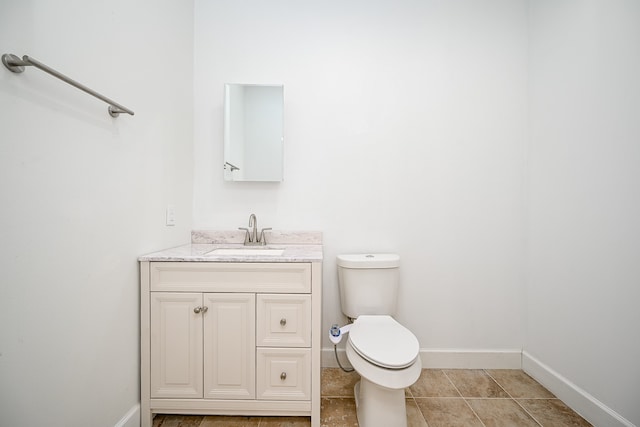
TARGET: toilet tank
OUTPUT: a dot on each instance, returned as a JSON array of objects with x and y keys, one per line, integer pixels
[{"x": 368, "y": 283}]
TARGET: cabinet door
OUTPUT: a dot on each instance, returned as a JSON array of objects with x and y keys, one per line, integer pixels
[
  {"x": 229, "y": 346},
  {"x": 176, "y": 345}
]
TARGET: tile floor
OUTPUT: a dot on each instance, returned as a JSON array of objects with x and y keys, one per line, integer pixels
[{"x": 450, "y": 397}]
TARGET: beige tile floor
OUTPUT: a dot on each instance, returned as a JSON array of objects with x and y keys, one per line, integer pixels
[{"x": 450, "y": 397}]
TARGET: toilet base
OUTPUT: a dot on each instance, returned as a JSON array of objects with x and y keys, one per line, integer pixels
[{"x": 378, "y": 406}]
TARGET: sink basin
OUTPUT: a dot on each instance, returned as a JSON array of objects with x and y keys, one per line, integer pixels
[{"x": 246, "y": 251}]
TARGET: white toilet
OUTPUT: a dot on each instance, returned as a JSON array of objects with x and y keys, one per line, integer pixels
[{"x": 381, "y": 350}]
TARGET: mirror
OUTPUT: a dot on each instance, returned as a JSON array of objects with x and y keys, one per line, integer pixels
[{"x": 253, "y": 132}]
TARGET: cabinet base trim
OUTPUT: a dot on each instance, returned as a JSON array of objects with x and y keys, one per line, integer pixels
[{"x": 229, "y": 407}]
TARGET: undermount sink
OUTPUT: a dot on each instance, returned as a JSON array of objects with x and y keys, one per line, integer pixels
[{"x": 246, "y": 251}]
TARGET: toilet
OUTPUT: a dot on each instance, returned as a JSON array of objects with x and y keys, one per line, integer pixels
[{"x": 380, "y": 349}]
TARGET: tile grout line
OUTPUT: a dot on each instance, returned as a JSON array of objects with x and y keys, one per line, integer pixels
[
  {"x": 451, "y": 382},
  {"x": 464, "y": 399},
  {"x": 512, "y": 398},
  {"x": 529, "y": 413},
  {"x": 413, "y": 398}
]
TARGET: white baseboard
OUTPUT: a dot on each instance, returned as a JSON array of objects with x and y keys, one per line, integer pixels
[
  {"x": 471, "y": 359},
  {"x": 447, "y": 358},
  {"x": 131, "y": 418},
  {"x": 590, "y": 408}
]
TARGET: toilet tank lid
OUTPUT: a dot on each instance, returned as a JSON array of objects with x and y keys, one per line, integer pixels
[{"x": 369, "y": 261}]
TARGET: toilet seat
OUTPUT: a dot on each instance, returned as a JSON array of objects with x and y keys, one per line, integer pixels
[{"x": 383, "y": 341}]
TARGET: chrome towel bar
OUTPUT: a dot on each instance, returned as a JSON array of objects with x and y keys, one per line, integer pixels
[{"x": 15, "y": 64}]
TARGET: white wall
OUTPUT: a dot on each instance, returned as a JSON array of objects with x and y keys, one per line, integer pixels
[
  {"x": 584, "y": 270},
  {"x": 405, "y": 128},
  {"x": 83, "y": 195}
]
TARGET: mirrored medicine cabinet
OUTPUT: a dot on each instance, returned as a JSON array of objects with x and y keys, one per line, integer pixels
[{"x": 253, "y": 132}]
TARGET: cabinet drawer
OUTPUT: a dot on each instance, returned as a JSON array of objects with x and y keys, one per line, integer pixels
[
  {"x": 283, "y": 320},
  {"x": 283, "y": 374},
  {"x": 230, "y": 277}
]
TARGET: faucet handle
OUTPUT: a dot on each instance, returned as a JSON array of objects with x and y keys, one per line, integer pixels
[
  {"x": 247, "y": 237},
  {"x": 263, "y": 238}
]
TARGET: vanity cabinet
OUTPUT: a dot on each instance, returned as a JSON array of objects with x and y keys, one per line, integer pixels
[{"x": 231, "y": 338}]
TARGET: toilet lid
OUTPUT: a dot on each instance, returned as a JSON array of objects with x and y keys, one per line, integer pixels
[{"x": 383, "y": 341}]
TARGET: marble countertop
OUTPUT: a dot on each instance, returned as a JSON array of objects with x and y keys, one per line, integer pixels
[
  {"x": 199, "y": 252},
  {"x": 297, "y": 246}
]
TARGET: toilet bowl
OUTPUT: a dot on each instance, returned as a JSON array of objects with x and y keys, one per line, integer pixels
[{"x": 386, "y": 355}]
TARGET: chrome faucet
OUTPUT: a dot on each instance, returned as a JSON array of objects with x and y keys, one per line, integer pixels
[
  {"x": 251, "y": 238},
  {"x": 253, "y": 222}
]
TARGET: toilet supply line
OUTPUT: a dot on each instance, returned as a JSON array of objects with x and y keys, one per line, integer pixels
[{"x": 335, "y": 335}]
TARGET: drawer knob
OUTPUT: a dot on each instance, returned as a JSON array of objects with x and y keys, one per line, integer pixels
[
  {"x": 283, "y": 321},
  {"x": 283, "y": 376},
  {"x": 197, "y": 310}
]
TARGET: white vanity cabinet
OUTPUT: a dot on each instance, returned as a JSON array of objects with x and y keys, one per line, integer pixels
[{"x": 230, "y": 338}]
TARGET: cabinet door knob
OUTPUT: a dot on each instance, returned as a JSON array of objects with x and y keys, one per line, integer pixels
[
  {"x": 197, "y": 310},
  {"x": 283, "y": 321},
  {"x": 283, "y": 376},
  {"x": 204, "y": 309}
]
